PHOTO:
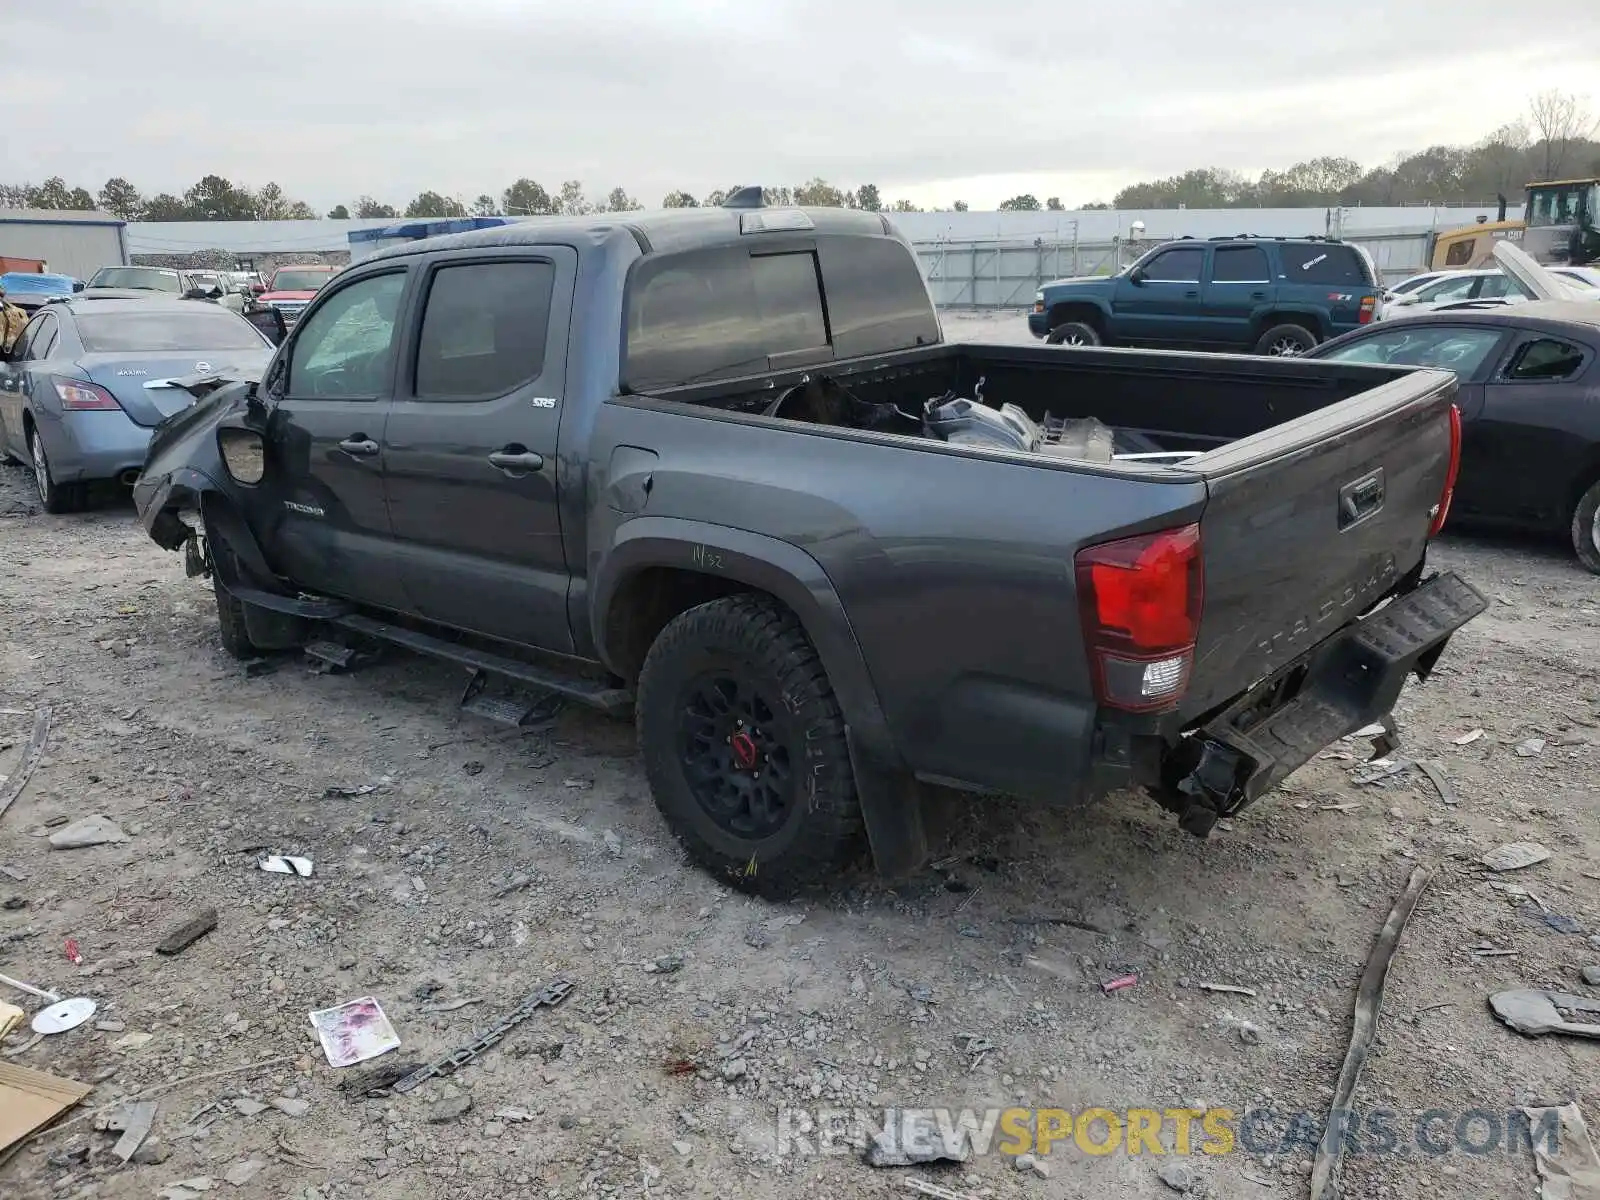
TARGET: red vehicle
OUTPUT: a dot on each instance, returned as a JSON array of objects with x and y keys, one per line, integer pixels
[{"x": 290, "y": 289}]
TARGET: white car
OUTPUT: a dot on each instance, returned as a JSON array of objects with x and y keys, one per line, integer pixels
[
  {"x": 1435, "y": 290},
  {"x": 1587, "y": 278},
  {"x": 1448, "y": 287},
  {"x": 1407, "y": 286}
]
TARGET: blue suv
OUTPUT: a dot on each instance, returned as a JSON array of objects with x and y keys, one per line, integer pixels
[{"x": 1263, "y": 295}]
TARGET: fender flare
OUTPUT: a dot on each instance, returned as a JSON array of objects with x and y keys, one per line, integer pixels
[
  {"x": 890, "y": 797},
  {"x": 1275, "y": 314},
  {"x": 1101, "y": 305},
  {"x": 783, "y": 570}
]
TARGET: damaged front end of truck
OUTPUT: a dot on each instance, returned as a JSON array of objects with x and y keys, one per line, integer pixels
[{"x": 203, "y": 485}]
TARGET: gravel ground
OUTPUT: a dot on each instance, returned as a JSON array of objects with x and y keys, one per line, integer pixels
[{"x": 484, "y": 863}]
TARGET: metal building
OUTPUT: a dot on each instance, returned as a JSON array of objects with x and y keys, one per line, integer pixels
[
  {"x": 68, "y": 243},
  {"x": 369, "y": 241}
]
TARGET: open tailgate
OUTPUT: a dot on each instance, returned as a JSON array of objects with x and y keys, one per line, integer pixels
[{"x": 1310, "y": 523}]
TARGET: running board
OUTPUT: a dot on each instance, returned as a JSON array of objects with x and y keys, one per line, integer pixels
[{"x": 605, "y": 697}]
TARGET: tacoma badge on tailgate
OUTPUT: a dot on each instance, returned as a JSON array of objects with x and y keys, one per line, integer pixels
[{"x": 1339, "y": 605}]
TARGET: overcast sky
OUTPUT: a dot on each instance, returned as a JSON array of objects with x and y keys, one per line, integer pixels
[{"x": 934, "y": 100}]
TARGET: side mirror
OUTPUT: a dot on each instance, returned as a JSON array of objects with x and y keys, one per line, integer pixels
[
  {"x": 78, "y": 285},
  {"x": 214, "y": 294},
  {"x": 1137, "y": 276}
]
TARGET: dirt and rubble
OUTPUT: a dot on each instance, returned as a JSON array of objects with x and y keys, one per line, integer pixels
[{"x": 458, "y": 867}]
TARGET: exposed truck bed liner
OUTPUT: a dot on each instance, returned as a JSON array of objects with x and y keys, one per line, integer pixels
[{"x": 1176, "y": 401}]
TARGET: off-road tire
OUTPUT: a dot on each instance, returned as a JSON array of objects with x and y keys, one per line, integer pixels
[
  {"x": 1586, "y": 528},
  {"x": 822, "y": 830},
  {"x": 1075, "y": 333},
  {"x": 54, "y": 497},
  {"x": 1286, "y": 334},
  {"x": 230, "y": 610}
]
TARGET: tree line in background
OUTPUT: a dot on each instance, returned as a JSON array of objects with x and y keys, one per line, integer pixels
[{"x": 1554, "y": 141}]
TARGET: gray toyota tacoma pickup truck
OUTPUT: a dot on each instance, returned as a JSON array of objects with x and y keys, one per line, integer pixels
[{"x": 719, "y": 468}]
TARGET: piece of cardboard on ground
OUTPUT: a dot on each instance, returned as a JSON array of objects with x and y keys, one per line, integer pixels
[{"x": 30, "y": 1099}]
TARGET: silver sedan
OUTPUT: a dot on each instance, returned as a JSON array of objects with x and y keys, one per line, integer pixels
[{"x": 86, "y": 384}]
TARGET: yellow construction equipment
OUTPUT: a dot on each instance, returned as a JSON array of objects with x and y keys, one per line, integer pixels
[{"x": 1560, "y": 224}]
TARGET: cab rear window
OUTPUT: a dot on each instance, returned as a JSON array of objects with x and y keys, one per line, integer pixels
[{"x": 742, "y": 310}]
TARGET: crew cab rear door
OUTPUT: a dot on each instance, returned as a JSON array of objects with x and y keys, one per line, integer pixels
[
  {"x": 1238, "y": 285},
  {"x": 471, "y": 445},
  {"x": 1310, "y": 523}
]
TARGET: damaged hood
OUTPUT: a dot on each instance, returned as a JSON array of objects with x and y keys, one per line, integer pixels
[{"x": 1541, "y": 284}]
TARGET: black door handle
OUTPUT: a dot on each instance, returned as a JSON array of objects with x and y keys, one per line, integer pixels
[
  {"x": 360, "y": 445},
  {"x": 1191, "y": 295},
  {"x": 510, "y": 459},
  {"x": 1258, "y": 295}
]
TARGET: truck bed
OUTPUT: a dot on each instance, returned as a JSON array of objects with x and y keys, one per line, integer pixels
[
  {"x": 1175, "y": 401},
  {"x": 1314, "y": 489}
]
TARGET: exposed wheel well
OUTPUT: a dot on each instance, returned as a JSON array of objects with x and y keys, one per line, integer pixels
[
  {"x": 647, "y": 601},
  {"x": 1587, "y": 478},
  {"x": 1306, "y": 321},
  {"x": 1091, "y": 316}
]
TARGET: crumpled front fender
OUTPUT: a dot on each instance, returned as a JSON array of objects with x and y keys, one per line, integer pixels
[{"x": 184, "y": 463}]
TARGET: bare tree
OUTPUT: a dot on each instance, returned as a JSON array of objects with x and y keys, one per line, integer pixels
[{"x": 1560, "y": 119}]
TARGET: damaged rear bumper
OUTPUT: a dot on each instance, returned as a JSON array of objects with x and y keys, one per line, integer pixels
[{"x": 1349, "y": 681}]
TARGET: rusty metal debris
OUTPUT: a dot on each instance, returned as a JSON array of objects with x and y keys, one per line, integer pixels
[
  {"x": 31, "y": 753},
  {"x": 1535, "y": 1013},
  {"x": 1436, "y": 777},
  {"x": 187, "y": 934},
  {"x": 1369, "y": 999},
  {"x": 1233, "y": 989},
  {"x": 547, "y": 997}
]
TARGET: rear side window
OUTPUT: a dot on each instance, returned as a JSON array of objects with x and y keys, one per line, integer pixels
[
  {"x": 49, "y": 335},
  {"x": 484, "y": 329},
  {"x": 721, "y": 312},
  {"x": 1323, "y": 262},
  {"x": 1240, "y": 264},
  {"x": 1546, "y": 358},
  {"x": 34, "y": 341}
]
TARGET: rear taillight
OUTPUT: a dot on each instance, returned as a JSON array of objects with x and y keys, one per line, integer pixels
[
  {"x": 1369, "y": 309},
  {"x": 1139, "y": 599},
  {"x": 1454, "y": 469},
  {"x": 77, "y": 396}
]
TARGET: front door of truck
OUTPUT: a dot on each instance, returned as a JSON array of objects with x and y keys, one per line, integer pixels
[
  {"x": 332, "y": 384},
  {"x": 1159, "y": 301},
  {"x": 471, "y": 446}
]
